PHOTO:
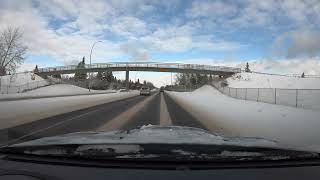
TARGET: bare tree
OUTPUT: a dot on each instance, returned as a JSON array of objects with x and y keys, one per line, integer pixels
[{"x": 12, "y": 50}]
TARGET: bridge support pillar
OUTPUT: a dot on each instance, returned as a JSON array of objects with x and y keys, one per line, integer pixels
[{"x": 127, "y": 79}]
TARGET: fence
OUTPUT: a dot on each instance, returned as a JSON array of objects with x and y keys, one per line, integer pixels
[
  {"x": 8, "y": 89},
  {"x": 300, "y": 98}
]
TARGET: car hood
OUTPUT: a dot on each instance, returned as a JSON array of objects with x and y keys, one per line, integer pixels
[{"x": 151, "y": 135}]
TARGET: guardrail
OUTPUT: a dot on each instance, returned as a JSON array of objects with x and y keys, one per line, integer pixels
[
  {"x": 300, "y": 98},
  {"x": 147, "y": 65}
]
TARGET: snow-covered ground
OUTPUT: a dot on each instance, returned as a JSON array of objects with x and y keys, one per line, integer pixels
[
  {"x": 291, "y": 127},
  {"x": 23, "y": 111},
  {"x": 20, "y": 82},
  {"x": 255, "y": 80},
  {"x": 54, "y": 90}
]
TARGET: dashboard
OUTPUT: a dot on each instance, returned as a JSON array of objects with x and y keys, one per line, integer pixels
[{"x": 15, "y": 167}]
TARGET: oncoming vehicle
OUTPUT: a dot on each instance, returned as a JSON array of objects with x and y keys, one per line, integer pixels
[
  {"x": 161, "y": 89},
  {"x": 145, "y": 91}
]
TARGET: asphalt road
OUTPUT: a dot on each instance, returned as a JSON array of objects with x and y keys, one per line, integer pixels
[{"x": 130, "y": 113}]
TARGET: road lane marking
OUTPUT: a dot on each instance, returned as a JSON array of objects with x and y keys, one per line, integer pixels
[
  {"x": 12, "y": 141},
  {"x": 165, "y": 118},
  {"x": 123, "y": 118}
]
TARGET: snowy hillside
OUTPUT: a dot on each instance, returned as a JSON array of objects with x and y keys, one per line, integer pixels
[
  {"x": 290, "y": 126},
  {"x": 54, "y": 90},
  {"x": 19, "y": 79},
  {"x": 20, "y": 82},
  {"x": 255, "y": 80}
]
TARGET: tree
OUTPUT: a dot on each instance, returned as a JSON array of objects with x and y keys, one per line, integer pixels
[
  {"x": 99, "y": 75},
  {"x": 247, "y": 69},
  {"x": 193, "y": 80},
  {"x": 57, "y": 76},
  {"x": 36, "y": 69},
  {"x": 144, "y": 82},
  {"x": 12, "y": 50},
  {"x": 302, "y": 75},
  {"x": 109, "y": 76},
  {"x": 80, "y": 73}
]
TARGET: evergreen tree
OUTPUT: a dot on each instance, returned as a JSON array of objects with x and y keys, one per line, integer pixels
[
  {"x": 57, "y": 76},
  {"x": 80, "y": 73},
  {"x": 193, "y": 80},
  {"x": 302, "y": 75},
  {"x": 36, "y": 69},
  {"x": 99, "y": 75},
  {"x": 247, "y": 69},
  {"x": 109, "y": 76}
]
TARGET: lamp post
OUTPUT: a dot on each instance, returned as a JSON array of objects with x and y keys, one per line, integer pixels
[{"x": 90, "y": 63}]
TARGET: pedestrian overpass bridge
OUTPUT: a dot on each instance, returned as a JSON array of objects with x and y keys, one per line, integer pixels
[{"x": 141, "y": 66}]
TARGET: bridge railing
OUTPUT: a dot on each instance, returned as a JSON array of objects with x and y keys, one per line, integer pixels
[{"x": 151, "y": 65}]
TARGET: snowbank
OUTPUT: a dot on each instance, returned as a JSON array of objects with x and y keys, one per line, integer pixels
[
  {"x": 54, "y": 90},
  {"x": 20, "y": 82},
  {"x": 255, "y": 80},
  {"x": 13, "y": 113},
  {"x": 292, "y": 127}
]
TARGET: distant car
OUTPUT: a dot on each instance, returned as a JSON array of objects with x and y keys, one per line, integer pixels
[
  {"x": 123, "y": 90},
  {"x": 161, "y": 89},
  {"x": 145, "y": 91}
]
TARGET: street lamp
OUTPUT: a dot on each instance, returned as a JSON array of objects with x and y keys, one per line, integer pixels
[{"x": 90, "y": 63}]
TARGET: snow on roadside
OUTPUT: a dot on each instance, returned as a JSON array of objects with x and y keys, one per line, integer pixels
[
  {"x": 14, "y": 113},
  {"x": 20, "y": 82},
  {"x": 19, "y": 79},
  {"x": 292, "y": 127},
  {"x": 255, "y": 80},
  {"x": 54, "y": 90}
]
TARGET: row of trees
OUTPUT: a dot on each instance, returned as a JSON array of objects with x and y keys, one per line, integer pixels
[
  {"x": 102, "y": 79},
  {"x": 192, "y": 80}
]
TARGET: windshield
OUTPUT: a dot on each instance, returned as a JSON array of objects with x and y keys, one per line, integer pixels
[{"x": 239, "y": 75}]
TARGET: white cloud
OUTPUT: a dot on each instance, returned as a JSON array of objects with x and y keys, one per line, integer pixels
[
  {"x": 128, "y": 26},
  {"x": 212, "y": 8},
  {"x": 250, "y": 13},
  {"x": 305, "y": 43}
]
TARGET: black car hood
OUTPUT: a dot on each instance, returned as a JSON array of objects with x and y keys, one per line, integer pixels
[{"x": 151, "y": 134}]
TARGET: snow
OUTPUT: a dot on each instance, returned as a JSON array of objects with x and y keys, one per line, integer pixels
[
  {"x": 54, "y": 90},
  {"x": 255, "y": 80},
  {"x": 20, "y": 82},
  {"x": 14, "y": 113},
  {"x": 292, "y": 127}
]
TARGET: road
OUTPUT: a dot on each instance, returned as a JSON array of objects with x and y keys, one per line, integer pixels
[{"x": 126, "y": 114}]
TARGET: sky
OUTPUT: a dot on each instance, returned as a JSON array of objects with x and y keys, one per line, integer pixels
[{"x": 278, "y": 36}]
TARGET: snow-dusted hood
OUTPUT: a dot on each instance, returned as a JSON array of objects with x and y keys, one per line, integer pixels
[{"x": 150, "y": 135}]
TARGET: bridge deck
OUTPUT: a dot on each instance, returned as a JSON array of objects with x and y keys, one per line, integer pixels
[{"x": 155, "y": 67}]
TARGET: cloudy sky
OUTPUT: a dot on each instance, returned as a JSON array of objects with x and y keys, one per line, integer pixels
[{"x": 281, "y": 36}]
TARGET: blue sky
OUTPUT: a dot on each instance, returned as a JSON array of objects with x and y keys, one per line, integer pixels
[{"x": 60, "y": 32}]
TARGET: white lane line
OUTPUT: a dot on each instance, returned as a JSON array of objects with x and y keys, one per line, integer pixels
[
  {"x": 165, "y": 118},
  {"x": 124, "y": 117}
]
